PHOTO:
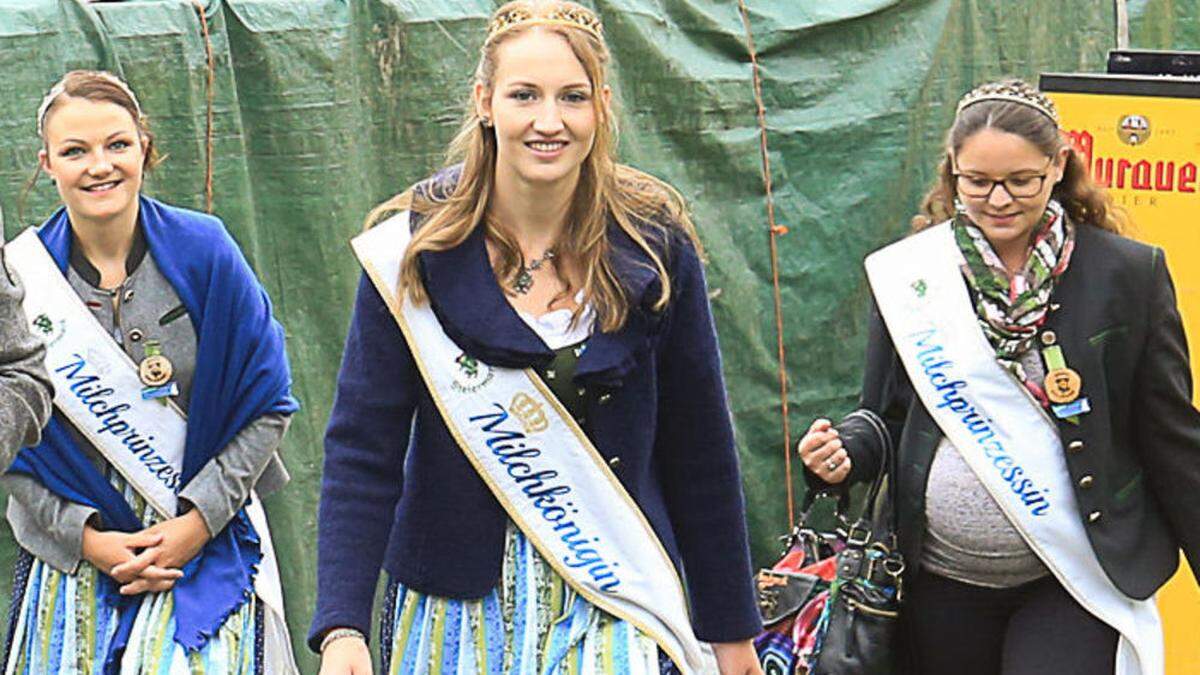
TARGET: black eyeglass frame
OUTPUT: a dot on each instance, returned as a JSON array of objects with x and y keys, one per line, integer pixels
[{"x": 1041, "y": 184}]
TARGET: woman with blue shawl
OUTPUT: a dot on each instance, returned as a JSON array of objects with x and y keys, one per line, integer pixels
[{"x": 106, "y": 582}]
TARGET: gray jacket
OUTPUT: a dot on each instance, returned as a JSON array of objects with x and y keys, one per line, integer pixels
[
  {"x": 25, "y": 389},
  {"x": 145, "y": 309}
]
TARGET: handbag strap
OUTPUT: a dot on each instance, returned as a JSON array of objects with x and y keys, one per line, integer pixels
[{"x": 862, "y": 529}]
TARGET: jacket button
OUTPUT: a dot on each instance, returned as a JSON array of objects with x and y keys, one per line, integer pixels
[
  {"x": 550, "y": 374},
  {"x": 1049, "y": 338},
  {"x": 136, "y": 335},
  {"x": 614, "y": 462},
  {"x": 1086, "y": 482},
  {"x": 1094, "y": 516},
  {"x": 1075, "y": 446},
  {"x": 605, "y": 398},
  {"x": 581, "y": 392},
  {"x": 129, "y": 295}
]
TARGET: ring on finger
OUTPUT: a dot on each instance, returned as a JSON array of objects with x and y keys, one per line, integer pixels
[{"x": 832, "y": 464}]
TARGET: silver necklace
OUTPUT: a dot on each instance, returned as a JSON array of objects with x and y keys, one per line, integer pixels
[{"x": 524, "y": 282}]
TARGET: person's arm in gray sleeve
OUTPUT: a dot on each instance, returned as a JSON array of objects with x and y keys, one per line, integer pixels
[
  {"x": 45, "y": 524},
  {"x": 25, "y": 389},
  {"x": 221, "y": 487}
]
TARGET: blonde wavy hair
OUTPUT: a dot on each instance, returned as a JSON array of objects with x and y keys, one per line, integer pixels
[{"x": 644, "y": 207}]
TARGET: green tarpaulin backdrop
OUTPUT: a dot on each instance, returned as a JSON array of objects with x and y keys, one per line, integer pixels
[{"x": 324, "y": 108}]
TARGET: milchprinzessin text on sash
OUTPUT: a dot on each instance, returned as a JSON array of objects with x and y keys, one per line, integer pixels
[{"x": 999, "y": 429}]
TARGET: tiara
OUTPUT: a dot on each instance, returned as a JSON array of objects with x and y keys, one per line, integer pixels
[
  {"x": 571, "y": 17},
  {"x": 61, "y": 86},
  {"x": 1014, "y": 91}
]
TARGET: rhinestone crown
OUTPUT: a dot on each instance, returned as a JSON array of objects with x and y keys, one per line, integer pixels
[
  {"x": 571, "y": 15},
  {"x": 1015, "y": 91}
]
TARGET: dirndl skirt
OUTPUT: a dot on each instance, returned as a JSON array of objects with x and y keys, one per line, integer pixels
[
  {"x": 64, "y": 623},
  {"x": 532, "y": 623}
]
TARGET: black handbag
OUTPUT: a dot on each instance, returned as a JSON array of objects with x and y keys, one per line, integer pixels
[{"x": 858, "y": 624}]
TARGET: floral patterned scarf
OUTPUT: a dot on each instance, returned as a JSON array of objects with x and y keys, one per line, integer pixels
[{"x": 1011, "y": 309}]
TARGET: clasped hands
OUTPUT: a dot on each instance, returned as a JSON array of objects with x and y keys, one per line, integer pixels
[{"x": 151, "y": 560}]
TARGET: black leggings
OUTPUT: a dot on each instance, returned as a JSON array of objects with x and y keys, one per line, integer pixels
[{"x": 954, "y": 628}]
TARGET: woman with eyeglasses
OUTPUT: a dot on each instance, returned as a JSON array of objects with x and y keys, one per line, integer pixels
[{"x": 1029, "y": 367}]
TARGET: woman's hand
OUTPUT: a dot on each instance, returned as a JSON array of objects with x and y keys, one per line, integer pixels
[
  {"x": 737, "y": 658},
  {"x": 823, "y": 454},
  {"x": 346, "y": 656},
  {"x": 179, "y": 540},
  {"x": 129, "y": 558}
]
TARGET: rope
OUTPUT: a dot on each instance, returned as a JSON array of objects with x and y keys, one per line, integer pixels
[
  {"x": 210, "y": 91},
  {"x": 776, "y": 231}
]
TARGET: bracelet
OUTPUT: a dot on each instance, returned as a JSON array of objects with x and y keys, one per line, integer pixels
[{"x": 338, "y": 634}]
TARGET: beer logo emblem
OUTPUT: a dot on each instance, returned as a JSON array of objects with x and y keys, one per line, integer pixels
[
  {"x": 1134, "y": 129},
  {"x": 530, "y": 412},
  {"x": 470, "y": 375}
]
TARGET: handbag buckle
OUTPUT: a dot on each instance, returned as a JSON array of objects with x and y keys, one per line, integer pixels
[{"x": 858, "y": 535}]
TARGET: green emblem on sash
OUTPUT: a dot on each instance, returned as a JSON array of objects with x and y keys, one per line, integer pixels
[{"x": 44, "y": 324}]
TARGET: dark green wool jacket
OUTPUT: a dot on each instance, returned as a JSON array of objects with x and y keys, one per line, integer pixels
[{"x": 1134, "y": 459}]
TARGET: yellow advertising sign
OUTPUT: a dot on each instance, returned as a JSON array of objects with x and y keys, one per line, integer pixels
[{"x": 1140, "y": 138}]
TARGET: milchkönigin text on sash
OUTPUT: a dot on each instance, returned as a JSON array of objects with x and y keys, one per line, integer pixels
[{"x": 548, "y": 497}]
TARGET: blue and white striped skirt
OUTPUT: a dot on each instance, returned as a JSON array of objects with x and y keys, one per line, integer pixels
[{"x": 533, "y": 623}]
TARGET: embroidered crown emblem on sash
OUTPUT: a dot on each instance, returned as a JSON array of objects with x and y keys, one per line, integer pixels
[{"x": 530, "y": 412}]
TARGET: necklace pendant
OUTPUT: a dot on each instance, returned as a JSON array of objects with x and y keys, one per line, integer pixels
[{"x": 524, "y": 282}]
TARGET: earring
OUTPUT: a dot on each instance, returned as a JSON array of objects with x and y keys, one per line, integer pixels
[
  {"x": 486, "y": 122},
  {"x": 959, "y": 207}
]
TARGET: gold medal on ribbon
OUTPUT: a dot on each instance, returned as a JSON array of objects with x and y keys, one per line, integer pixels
[
  {"x": 1063, "y": 385},
  {"x": 155, "y": 370}
]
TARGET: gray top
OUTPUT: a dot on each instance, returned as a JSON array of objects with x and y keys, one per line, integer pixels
[
  {"x": 968, "y": 538},
  {"x": 146, "y": 308},
  {"x": 25, "y": 389}
]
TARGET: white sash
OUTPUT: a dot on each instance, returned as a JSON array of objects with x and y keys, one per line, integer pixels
[
  {"x": 97, "y": 387},
  {"x": 542, "y": 468},
  {"x": 1002, "y": 433},
  {"x": 96, "y": 384}
]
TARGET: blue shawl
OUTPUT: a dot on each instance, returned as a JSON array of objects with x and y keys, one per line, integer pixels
[{"x": 241, "y": 374}]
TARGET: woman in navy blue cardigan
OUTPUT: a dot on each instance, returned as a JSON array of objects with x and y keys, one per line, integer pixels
[{"x": 535, "y": 249}]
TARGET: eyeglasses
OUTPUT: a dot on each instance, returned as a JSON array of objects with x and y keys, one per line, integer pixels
[{"x": 1019, "y": 186}]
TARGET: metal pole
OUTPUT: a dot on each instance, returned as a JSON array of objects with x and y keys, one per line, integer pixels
[{"x": 1122, "y": 12}]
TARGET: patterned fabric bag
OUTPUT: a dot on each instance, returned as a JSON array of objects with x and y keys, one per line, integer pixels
[
  {"x": 830, "y": 604},
  {"x": 792, "y": 594}
]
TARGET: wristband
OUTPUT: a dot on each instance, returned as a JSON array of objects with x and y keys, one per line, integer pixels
[{"x": 338, "y": 634}]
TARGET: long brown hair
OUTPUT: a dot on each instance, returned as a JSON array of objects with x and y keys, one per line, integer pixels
[
  {"x": 1083, "y": 200},
  {"x": 644, "y": 207},
  {"x": 96, "y": 86}
]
